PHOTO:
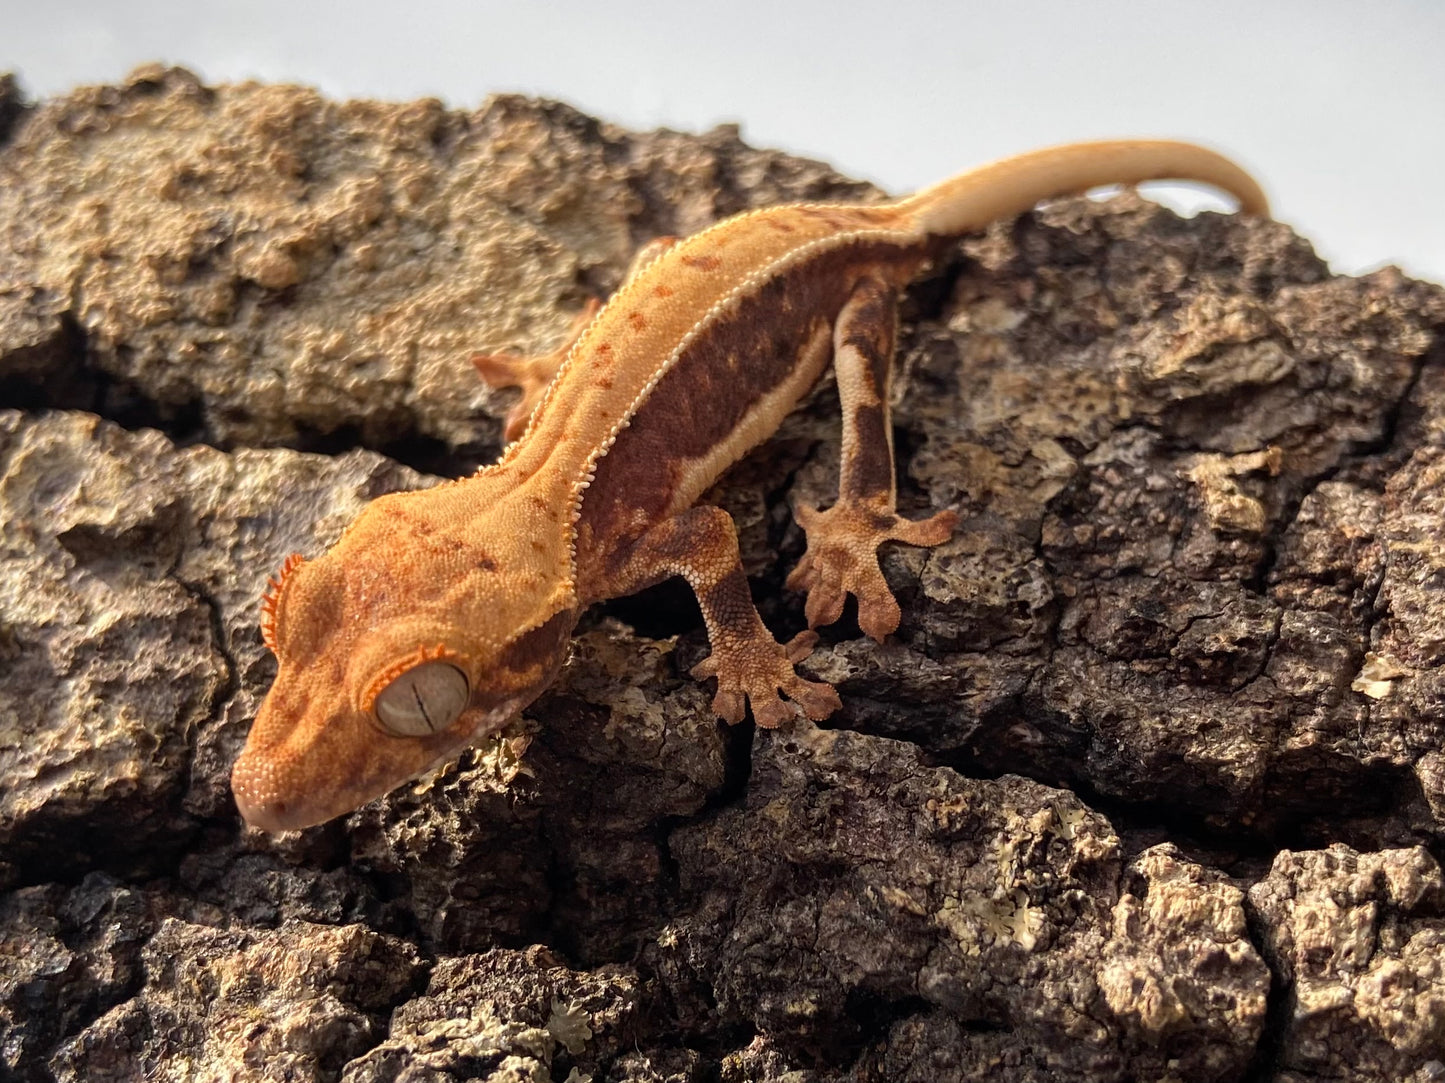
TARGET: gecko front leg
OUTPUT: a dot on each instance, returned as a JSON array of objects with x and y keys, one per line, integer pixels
[
  {"x": 701, "y": 545},
  {"x": 842, "y": 554}
]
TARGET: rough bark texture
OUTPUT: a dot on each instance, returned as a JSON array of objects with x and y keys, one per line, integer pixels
[{"x": 1150, "y": 786}]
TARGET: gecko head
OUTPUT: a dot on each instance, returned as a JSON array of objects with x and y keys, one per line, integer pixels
[{"x": 387, "y": 668}]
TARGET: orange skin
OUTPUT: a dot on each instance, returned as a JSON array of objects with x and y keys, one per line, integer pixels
[{"x": 440, "y": 614}]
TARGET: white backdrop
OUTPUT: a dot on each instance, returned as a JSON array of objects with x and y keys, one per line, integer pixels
[{"x": 1337, "y": 105}]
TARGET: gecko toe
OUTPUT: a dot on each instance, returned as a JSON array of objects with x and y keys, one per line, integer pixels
[
  {"x": 826, "y": 599},
  {"x": 800, "y": 647},
  {"x": 935, "y": 530},
  {"x": 818, "y": 699},
  {"x": 878, "y": 612},
  {"x": 770, "y": 713},
  {"x": 730, "y": 705}
]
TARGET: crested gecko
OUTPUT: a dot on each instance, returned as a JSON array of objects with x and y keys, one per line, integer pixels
[{"x": 441, "y": 613}]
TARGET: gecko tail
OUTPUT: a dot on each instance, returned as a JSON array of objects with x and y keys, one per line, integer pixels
[{"x": 1011, "y": 186}]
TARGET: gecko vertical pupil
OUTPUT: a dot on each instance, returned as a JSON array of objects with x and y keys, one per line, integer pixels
[{"x": 423, "y": 700}]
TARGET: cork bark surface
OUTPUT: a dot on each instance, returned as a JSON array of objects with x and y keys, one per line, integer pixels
[{"x": 1149, "y": 786}]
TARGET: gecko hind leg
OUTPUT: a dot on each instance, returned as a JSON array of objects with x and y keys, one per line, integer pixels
[
  {"x": 842, "y": 554},
  {"x": 533, "y": 374},
  {"x": 751, "y": 667}
]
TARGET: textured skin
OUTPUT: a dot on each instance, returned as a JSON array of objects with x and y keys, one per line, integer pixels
[{"x": 695, "y": 360}]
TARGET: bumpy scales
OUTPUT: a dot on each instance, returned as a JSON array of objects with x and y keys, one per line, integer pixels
[{"x": 440, "y": 614}]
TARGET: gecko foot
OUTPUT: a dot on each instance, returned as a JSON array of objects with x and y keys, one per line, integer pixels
[
  {"x": 531, "y": 374},
  {"x": 842, "y": 559},
  {"x": 755, "y": 670}
]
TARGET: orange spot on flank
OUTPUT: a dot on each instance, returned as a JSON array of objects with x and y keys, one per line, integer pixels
[
  {"x": 662, "y": 291},
  {"x": 637, "y": 320},
  {"x": 702, "y": 263}
]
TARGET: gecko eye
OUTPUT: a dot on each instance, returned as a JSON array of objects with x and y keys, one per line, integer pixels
[{"x": 423, "y": 700}]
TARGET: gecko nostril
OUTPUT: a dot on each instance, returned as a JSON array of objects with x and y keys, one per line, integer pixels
[{"x": 266, "y": 815}]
